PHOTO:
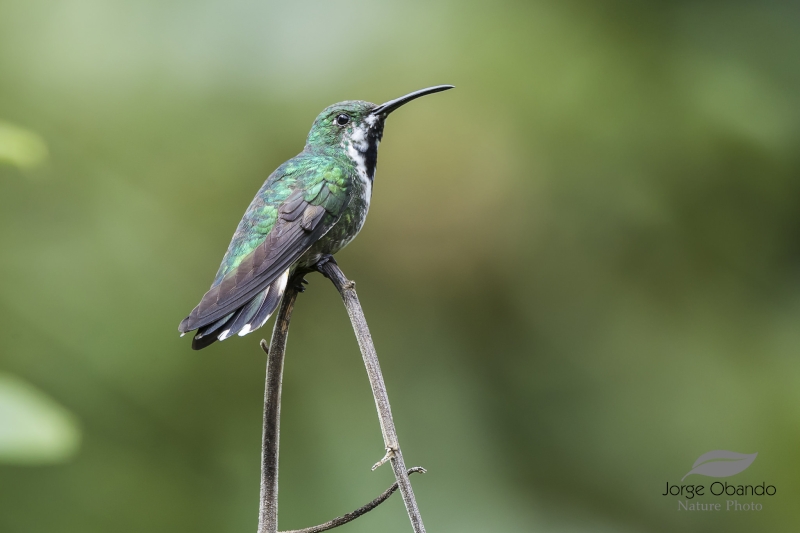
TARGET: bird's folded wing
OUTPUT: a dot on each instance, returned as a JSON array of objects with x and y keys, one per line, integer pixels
[{"x": 299, "y": 225}]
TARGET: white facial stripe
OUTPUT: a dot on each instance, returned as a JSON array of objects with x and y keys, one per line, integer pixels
[
  {"x": 358, "y": 158},
  {"x": 359, "y": 138},
  {"x": 356, "y": 147},
  {"x": 361, "y": 168}
]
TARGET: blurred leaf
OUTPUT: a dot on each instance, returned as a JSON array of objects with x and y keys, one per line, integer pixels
[
  {"x": 34, "y": 429},
  {"x": 20, "y": 147}
]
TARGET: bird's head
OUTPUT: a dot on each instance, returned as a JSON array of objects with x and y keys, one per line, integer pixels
[{"x": 356, "y": 127}]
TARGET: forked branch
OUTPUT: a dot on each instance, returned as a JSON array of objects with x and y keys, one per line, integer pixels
[
  {"x": 349, "y": 517},
  {"x": 347, "y": 289},
  {"x": 268, "y": 509}
]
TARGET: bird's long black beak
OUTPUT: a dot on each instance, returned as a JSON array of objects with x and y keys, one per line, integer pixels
[{"x": 386, "y": 108}]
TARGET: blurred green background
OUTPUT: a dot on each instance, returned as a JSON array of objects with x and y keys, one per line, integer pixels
[{"x": 581, "y": 268}]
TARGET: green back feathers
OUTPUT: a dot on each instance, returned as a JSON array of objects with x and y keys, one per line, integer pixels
[{"x": 324, "y": 182}]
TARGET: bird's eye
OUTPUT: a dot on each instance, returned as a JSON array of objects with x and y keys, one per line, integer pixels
[{"x": 342, "y": 119}]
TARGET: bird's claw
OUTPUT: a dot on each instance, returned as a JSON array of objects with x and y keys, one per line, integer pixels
[
  {"x": 299, "y": 284},
  {"x": 327, "y": 258}
]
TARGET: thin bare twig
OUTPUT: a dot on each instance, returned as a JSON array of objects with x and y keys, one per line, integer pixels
[
  {"x": 349, "y": 517},
  {"x": 348, "y": 292},
  {"x": 268, "y": 509}
]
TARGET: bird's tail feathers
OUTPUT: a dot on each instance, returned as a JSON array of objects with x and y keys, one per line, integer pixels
[
  {"x": 247, "y": 318},
  {"x": 273, "y": 298}
]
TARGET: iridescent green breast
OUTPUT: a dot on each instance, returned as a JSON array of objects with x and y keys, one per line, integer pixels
[{"x": 346, "y": 229}]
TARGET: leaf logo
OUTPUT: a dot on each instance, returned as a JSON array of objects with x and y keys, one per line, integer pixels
[{"x": 721, "y": 463}]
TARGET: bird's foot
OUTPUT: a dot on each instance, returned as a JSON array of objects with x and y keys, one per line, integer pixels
[
  {"x": 390, "y": 451},
  {"x": 300, "y": 284},
  {"x": 327, "y": 258}
]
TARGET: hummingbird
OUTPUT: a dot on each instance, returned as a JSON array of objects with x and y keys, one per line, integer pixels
[{"x": 308, "y": 209}]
